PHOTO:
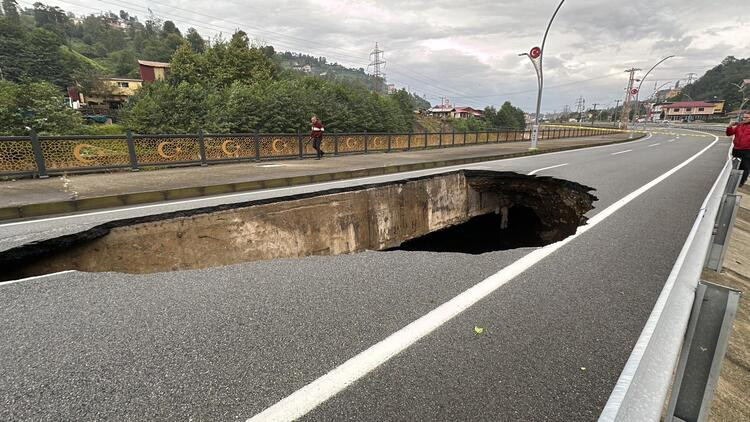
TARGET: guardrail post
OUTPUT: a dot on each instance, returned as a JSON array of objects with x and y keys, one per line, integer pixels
[
  {"x": 389, "y": 141},
  {"x": 408, "y": 142},
  {"x": 706, "y": 340},
  {"x": 335, "y": 142},
  {"x": 256, "y": 141},
  {"x": 36, "y": 146},
  {"x": 730, "y": 204},
  {"x": 365, "y": 142},
  {"x": 131, "y": 152},
  {"x": 202, "y": 147},
  {"x": 300, "y": 144}
]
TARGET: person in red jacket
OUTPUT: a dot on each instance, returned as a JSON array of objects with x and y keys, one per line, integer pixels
[
  {"x": 741, "y": 150},
  {"x": 316, "y": 134}
]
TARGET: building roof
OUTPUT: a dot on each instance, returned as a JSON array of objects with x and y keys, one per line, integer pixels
[
  {"x": 440, "y": 109},
  {"x": 121, "y": 79},
  {"x": 152, "y": 64},
  {"x": 691, "y": 104}
]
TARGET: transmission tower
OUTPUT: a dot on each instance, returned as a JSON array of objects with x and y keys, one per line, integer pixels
[
  {"x": 377, "y": 63},
  {"x": 629, "y": 96},
  {"x": 580, "y": 106},
  {"x": 690, "y": 77}
]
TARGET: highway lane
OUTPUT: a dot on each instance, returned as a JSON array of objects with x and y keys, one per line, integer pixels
[{"x": 227, "y": 343}]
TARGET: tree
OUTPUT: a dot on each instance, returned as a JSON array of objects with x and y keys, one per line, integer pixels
[
  {"x": 170, "y": 28},
  {"x": 196, "y": 42},
  {"x": 35, "y": 105},
  {"x": 10, "y": 7}
]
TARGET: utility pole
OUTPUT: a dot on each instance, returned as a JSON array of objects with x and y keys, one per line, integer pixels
[
  {"x": 614, "y": 115},
  {"x": 629, "y": 95},
  {"x": 376, "y": 61},
  {"x": 593, "y": 115}
]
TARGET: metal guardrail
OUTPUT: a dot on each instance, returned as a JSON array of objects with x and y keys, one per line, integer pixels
[
  {"x": 44, "y": 155},
  {"x": 641, "y": 390}
]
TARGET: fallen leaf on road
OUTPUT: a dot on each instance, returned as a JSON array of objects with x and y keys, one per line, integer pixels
[{"x": 479, "y": 330}]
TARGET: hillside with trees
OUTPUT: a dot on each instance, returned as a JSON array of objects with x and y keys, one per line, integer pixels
[
  {"x": 719, "y": 83},
  {"x": 218, "y": 85}
]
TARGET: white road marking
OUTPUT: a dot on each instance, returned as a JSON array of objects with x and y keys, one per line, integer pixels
[
  {"x": 310, "y": 396},
  {"x": 671, "y": 140},
  {"x": 36, "y": 277},
  {"x": 653, "y": 145},
  {"x": 533, "y": 172},
  {"x": 232, "y": 195},
  {"x": 621, "y": 152}
]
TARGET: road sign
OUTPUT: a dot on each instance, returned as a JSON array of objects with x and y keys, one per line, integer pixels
[{"x": 535, "y": 52}]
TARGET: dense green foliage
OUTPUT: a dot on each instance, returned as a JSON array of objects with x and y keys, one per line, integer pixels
[
  {"x": 718, "y": 82},
  {"x": 37, "y": 105}
]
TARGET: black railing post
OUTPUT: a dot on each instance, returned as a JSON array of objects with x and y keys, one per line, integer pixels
[
  {"x": 335, "y": 142},
  {"x": 38, "y": 156},
  {"x": 466, "y": 138},
  {"x": 440, "y": 139},
  {"x": 389, "y": 141},
  {"x": 256, "y": 141},
  {"x": 453, "y": 137},
  {"x": 408, "y": 142},
  {"x": 202, "y": 147},
  {"x": 425, "y": 139},
  {"x": 131, "y": 151},
  {"x": 476, "y": 137},
  {"x": 300, "y": 143},
  {"x": 365, "y": 142}
]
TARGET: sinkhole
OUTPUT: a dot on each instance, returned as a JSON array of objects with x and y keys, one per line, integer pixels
[{"x": 467, "y": 211}]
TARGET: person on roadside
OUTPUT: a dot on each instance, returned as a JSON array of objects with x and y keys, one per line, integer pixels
[
  {"x": 316, "y": 134},
  {"x": 741, "y": 131}
]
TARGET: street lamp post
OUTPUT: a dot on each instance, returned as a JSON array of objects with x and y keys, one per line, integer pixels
[
  {"x": 536, "y": 55},
  {"x": 637, "y": 106}
]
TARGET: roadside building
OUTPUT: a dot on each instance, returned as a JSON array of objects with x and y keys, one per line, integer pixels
[
  {"x": 689, "y": 110},
  {"x": 153, "y": 71},
  {"x": 111, "y": 95},
  {"x": 466, "y": 113},
  {"x": 442, "y": 111}
]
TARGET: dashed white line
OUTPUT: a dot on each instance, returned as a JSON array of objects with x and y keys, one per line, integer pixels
[
  {"x": 671, "y": 140},
  {"x": 313, "y": 394},
  {"x": 621, "y": 152},
  {"x": 533, "y": 172},
  {"x": 653, "y": 145}
]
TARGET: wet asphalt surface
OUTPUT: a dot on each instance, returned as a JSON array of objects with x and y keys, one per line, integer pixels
[{"x": 226, "y": 343}]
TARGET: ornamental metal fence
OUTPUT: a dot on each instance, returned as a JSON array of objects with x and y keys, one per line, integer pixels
[{"x": 42, "y": 156}]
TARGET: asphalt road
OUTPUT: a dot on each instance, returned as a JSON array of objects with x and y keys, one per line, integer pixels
[{"x": 227, "y": 343}]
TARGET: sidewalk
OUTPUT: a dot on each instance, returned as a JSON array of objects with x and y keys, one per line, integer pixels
[
  {"x": 732, "y": 402},
  {"x": 56, "y": 195}
]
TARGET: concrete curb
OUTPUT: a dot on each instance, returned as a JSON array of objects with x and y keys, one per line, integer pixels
[{"x": 110, "y": 201}]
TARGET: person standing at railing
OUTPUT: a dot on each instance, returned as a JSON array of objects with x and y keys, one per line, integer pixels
[
  {"x": 316, "y": 134},
  {"x": 741, "y": 131}
]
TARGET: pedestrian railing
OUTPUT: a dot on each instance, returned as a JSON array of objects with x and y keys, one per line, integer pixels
[{"x": 41, "y": 156}]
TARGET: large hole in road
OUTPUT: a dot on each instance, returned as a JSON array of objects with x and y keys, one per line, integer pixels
[{"x": 469, "y": 211}]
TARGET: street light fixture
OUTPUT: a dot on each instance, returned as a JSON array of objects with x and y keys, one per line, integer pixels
[
  {"x": 535, "y": 55},
  {"x": 637, "y": 106}
]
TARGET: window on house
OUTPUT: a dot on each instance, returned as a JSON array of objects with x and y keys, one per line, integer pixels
[
  {"x": 688, "y": 109},
  {"x": 123, "y": 84},
  {"x": 700, "y": 109}
]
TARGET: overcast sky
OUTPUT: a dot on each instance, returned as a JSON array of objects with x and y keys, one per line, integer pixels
[{"x": 468, "y": 50}]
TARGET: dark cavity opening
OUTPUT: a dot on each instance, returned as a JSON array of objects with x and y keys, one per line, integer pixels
[{"x": 484, "y": 233}]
